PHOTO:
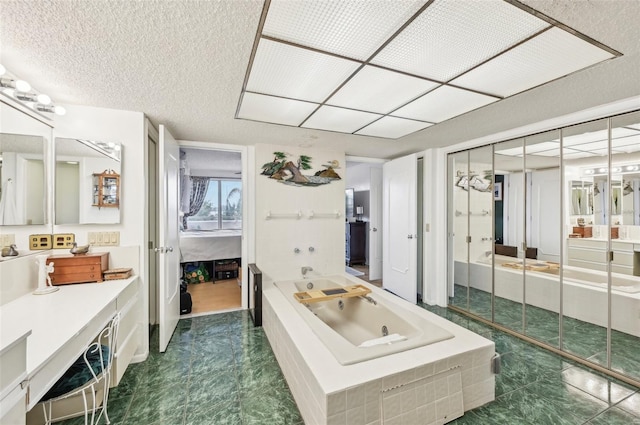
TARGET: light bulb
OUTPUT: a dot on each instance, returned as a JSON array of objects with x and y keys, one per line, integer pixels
[
  {"x": 111, "y": 144},
  {"x": 2, "y": 69},
  {"x": 59, "y": 110},
  {"x": 22, "y": 85},
  {"x": 44, "y": 99}
]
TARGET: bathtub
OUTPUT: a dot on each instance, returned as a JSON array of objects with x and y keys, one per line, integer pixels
[
  {"x": 354, "y": 328},
  {"x": 412, "y": 381}
]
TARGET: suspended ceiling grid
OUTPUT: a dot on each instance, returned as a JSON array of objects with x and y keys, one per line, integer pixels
[{"x": 388, "y": 69}]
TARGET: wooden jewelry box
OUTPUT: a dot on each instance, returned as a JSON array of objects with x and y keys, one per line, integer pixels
[{"x": 78, "y": 268}]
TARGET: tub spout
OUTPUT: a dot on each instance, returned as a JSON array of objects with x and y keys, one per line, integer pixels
[
  {"x": 371, "y": 300},
  {"x": 304, "y": 271}
]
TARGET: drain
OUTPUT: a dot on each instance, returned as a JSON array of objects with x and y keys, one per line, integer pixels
[
  {"x": 385, "y": 331},
  {"x": 310, "y": 285}
]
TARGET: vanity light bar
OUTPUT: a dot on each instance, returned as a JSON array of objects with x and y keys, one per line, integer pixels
[
  {"x": 22, "y": 92},
  {"x": 621, "y": 169}
]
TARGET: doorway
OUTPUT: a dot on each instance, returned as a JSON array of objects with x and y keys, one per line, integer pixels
[{"x": 211, "y": 229}]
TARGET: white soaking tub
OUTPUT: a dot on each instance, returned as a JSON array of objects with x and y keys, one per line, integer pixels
[
  {"x": 361, "y": 328},
  {"x": 433, "y": 382}
]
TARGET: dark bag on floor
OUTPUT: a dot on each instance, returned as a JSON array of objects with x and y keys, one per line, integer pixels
[{"x": 185, "y": 303}]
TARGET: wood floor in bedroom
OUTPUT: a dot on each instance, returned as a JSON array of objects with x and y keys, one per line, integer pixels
[{"x": 218, "y": 296}]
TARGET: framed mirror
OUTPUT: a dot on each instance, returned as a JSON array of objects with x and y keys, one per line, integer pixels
[
  {"x": 23, "y": 168},
  {"x": 88, "y": 181}
]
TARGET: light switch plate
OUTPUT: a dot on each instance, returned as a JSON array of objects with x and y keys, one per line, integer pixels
[
  {"x": 92, "y": 238},
  {"x": 40, "y": 242},
  {"x": 63, "y": 240}
]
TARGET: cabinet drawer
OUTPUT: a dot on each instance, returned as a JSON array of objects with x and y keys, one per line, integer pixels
[
  {"x": 588, "y": 255},
  {"x": 62, "y": 279},
  {"x": 13, "y": 363},
  {"x": 615, "y": 268},
  {"x": 588, "y": 265},
  {"x": 623, "y": 258},
  {"x": 587, "y": 243},
  {"x": 622, "y": 246},
  {"x": 77, "y": 269}
]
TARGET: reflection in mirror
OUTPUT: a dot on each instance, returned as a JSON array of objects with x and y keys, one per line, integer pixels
[
  {"x": 88, "y": 182},
  {"x": 543, "y": 237},
  {"x": 625, "y": 267},
  {"x": 584, "y": 305},
  {"x": 458, "y": 183},
  {"x": 480, "y": 215},
  {"x": 509, "y": 233},
  {"x": 22, "y": 177}
]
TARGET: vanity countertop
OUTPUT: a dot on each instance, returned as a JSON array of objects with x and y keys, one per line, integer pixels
[
  {"x": 54, "y": 318},
  {"x": 630, "y": 241}
]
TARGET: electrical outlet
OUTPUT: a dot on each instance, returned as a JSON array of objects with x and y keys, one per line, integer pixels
[
  {"x": 40, "y": 242},
  {"x": 7, "y": 240},
  {"x": 63, "y": 240}
]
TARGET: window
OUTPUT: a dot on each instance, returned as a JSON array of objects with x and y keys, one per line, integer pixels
[{"x": 222, "y": 207}]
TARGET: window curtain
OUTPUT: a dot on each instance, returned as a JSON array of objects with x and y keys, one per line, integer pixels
[{"x": 196, "y": 197}]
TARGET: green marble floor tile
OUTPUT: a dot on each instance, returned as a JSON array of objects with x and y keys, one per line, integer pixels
[
  {"x": 567, "y": 399},
  {"x": 208, "y": 360},
  {"x": 273, "y": 408},
  {"x": 624, "y": 365},
  {"x": 605, "y": 388},
  {"x": 522, "y": 407},
  {"x": 615, "y": 416},
  {"x": 517, "y": 372},
  {"x": 631, "y": 404},
  {"x": 219, "y": 414},
  {"x": 158, "y": 403},
  {"x": 255, "y": 378},
  {"x": 210, "y": 389}
]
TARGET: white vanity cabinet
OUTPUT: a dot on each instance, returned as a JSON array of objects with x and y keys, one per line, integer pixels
[
  {"x": 592, "y": 254},
  {"x": 127, "y": 304},
  {"x": 13, "y": 384}
]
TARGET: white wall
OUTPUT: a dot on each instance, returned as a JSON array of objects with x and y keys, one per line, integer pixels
[{"x": 276, "y": 239}]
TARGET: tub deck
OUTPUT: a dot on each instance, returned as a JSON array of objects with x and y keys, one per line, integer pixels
[{"x": 436, "y": 383}]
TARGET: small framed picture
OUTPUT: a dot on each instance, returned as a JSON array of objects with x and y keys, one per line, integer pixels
[{"x": 497, "y": 191}]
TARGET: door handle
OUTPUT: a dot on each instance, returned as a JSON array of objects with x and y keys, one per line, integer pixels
[
  {"x": 374, "y": 229},
  {"x": 409, "y": 236},
  {"x": 170, "y": 249},
  {"x": 159, "y": 250}
]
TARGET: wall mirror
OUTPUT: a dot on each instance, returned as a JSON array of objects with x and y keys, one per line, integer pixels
[
  {"x": 23, "y": 168},
  {"x": 88, "y": 181}
]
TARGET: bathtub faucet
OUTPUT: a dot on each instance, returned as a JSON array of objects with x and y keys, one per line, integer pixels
[
  {"x": 371, "y": 300},
  {"x": 304, "y": 271}
]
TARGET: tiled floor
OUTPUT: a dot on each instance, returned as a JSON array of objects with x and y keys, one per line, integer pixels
[{"x": 218, "y": 369}]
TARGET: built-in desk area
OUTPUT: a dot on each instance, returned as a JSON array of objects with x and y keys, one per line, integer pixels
[{"x": 57, "y": 327}]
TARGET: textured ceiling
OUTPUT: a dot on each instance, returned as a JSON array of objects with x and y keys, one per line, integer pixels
[{"x": 183, "y": 64}]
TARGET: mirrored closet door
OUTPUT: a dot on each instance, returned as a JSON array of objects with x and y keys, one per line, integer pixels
[{"x": 551, "y": 249}]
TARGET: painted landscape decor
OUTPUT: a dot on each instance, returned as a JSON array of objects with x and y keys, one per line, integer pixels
[{"x": 288, "y": 172}]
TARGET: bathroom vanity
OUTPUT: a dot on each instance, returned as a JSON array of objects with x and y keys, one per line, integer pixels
[
  {"x": 41, "y": 336},
  {"x": 592, "y": 254}
]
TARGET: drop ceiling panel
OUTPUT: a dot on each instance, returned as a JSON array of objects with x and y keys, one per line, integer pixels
[
  {"x": 550, "y": 55},
  {"x": 392, "y": 127},
  {"x": 287, "y": 71},
  {"x": 594, "y": 136},
  {"x": 378, "y": 90},
  {"x": 339, "y": 119},
  {"x": 450, "y": 37},
  {"x": 443, "y": 103},
  {"x": 277, "y": 110},
  {"x": 570, "y": 154},
  {"x": 349, "y": 28}
]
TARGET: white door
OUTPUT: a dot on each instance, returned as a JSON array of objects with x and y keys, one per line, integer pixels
[
  {"x": 375, "y": 224},
  {"x": 399, "y": 227},
  {"x": 168, "y": 252}
]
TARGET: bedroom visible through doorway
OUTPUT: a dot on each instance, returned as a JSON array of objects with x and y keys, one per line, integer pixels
[{"x": 211, "y": 229}]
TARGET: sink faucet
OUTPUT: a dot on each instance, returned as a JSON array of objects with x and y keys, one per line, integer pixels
[{"x": 304, "y": 271}]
